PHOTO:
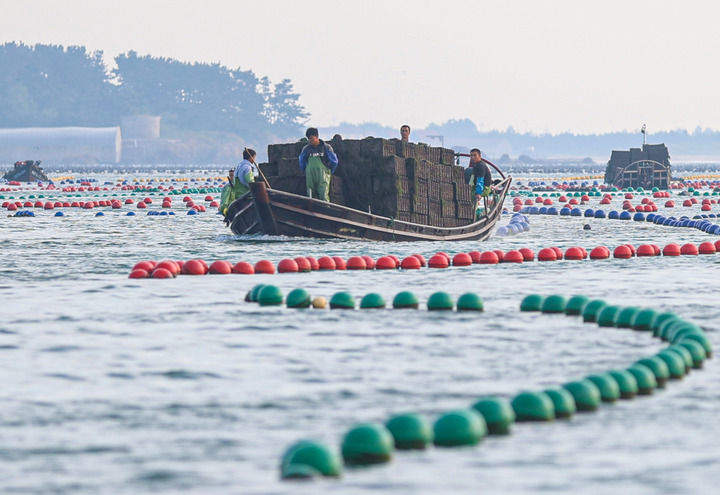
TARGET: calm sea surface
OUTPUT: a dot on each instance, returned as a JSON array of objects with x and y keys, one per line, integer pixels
[{"x": 111, "y": 385}]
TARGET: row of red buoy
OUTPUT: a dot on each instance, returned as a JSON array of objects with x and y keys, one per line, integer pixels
[{"x": 170, "y": 268}]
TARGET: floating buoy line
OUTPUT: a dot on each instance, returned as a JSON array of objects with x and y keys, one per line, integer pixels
[{"x": 371, "y": 443}]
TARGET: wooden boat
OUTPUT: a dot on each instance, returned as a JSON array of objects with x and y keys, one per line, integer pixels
[{"x": 269, "y": 211}]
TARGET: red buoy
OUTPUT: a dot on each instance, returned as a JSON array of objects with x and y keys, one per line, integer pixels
[
  {"x": 462, "y": 259},
  {"x": 438, "y": 261},
  {"x": 513, "y": 257},
  {"x": 645, "y": 250},
  {"x": 421, "y": 258},
  {"x": 141, "y": 205},
  {"x": 547, "y": 202},
  {"x": 410, "y": 263},
  {"x": 527, "y": 253},
  {"x": 475, "y": 256},
  {"x": 489, "y": 258},
  {"x": 138, "y": 273},
  {"x": 670, "y": 204},
  {"x": 687, "y": 203},
  {"x": 657, "y": 249},
  {"x": 314, "y": 265},
  {"x": 339, "y": 263},
  {"x": 303, "y": 264},
  {"x": 243, "y": 268},
  {"x": 129, "y": 201},
  {"x": 369, "y": 262},
  {"x": 170, "y": 266},
  {"x": 706, "y": 247},
  {"x": 599, "y": 253},
  {"x": 385, "y": 263},
  {"x": 547, "y": 254},
  {"x": 356, "y": 263},
  {"x": 706, "y": 207},
  {"x": 325, "y": 263},
  {"x": 622, "y": 252},
  {"x": 671, "y": 249},
  {"x": 205, "y": 265},
  {"x": 148, "y": 266},
  {"x": 287, "y": 266},
  {"x": 499, "y": 253},
  {"x": 161, "y": 273},
  {"x": 264, "y": 266},
  {"x": 574, "y": 253},
  {"x": 558, "y": 252},
  {"x": 220, "y": 267},
  {"x": 395, "y": 259},
  {"x": 690, "y": 249},
  {"x": 631, "y": 248},
  {"x": 443, "y": 253}
]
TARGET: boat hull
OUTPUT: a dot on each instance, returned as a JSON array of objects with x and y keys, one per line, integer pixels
[{"x": 272, "y": 212}]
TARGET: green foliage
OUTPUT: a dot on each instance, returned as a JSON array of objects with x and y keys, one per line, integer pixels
[{"x": 49, "y": 85}]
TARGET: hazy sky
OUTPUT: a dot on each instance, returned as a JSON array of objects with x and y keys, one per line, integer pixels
[{"x": 535, "y": 65}]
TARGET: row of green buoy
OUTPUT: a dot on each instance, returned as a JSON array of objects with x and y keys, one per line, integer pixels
[
  {"x": 374, "y": 443},
  {"x": 271, "y": 295}
]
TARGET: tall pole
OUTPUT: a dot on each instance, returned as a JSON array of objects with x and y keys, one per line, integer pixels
[{"x": 643, "y": 130}]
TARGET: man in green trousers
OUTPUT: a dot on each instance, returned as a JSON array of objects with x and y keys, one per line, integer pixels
[{"x": 318, "y": 161}]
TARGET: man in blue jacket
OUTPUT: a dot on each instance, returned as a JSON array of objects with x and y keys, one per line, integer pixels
[{"x": 318, "y": 161}]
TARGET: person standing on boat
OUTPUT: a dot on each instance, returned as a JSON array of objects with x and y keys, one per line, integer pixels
[
  {"x": 245, "y": 173},
  {"x": 479, "y": 174},
  {"x": 318, "y": 161},
  {"x": 405, "y": 133},
  {"x": 239, "y": 180}
]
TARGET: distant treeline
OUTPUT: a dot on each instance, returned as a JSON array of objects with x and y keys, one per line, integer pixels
[
  {"x": 52, "y": 85},
  {"x": 463, "y": 134}
]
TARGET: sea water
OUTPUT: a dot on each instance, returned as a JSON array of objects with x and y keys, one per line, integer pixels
[{"x": 112, "y": 385}]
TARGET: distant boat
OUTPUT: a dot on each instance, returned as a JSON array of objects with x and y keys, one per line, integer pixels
[
  {"x": 645, "y": 167},
  {"x": 26, "y": 171}
]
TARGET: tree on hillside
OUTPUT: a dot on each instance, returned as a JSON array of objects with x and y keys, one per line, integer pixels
[
  {"x": 48, "y": 85},
  {"x": 282, "y": 107}
]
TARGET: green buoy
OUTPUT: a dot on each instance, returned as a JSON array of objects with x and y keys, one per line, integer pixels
[
  {"x": 298, "y": 298},
  {"x": 405, "y": 300},
  {"x": 440, "y": 301},
  {"x": 626, "y": 382},
  {"x": 313, "y": 454},
  {"x": 677, "y": 332},
  {"x": 675, "y": 364},
  {"x": 533, "y": 406},
  {"x": 469, "y": 302},
  {"x": 585, "y": 394},
  {"x": 606, "y": 384},
  {"x": 644, "y": 377},
  {"x": 591, "y": 310},
  {"x": 659, "y": 369},
  {"x": 659, "y": 320},
  {"x": 498, "y": 414},
  {"x": 460, "y": 427},
  {"x": 410, "y": 431},
  {"x": 255, "y": 291},
  {"x": 701, "y": 339},
  {"x": 664, "y": 327},
  {"x": 684, "y": 355},
  {"x": 625, "y": 316},
  {"x": 576, "y": 304},
  {"x": 372, "y": 300},
  {"x": 563, "y": 402},
  {"x": 606, "y": 317},
  {"x": 553, "y": 304},
  {"x": 533, "y": 302},
  {"x": 342, "y": 300},
  {"x": 696, "y": 351},
  {"x": 270, "y": 295},
  {"x": 367, "y": 443},
  {"x": 644, "y": 319}
]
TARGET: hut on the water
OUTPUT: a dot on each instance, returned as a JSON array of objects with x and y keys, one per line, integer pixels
[{"x": 645, "y": 167}]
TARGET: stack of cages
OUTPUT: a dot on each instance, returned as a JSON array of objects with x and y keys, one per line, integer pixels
[{"x": 410, "y": 182}]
